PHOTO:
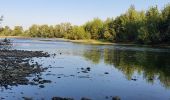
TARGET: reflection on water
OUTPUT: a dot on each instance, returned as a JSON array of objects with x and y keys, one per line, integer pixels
[
  {"x": 95, "y": 71},
  {"x": 152, "y": 65}
]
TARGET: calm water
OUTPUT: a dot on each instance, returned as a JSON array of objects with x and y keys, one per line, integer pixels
[{"x": 130, "y": 72}]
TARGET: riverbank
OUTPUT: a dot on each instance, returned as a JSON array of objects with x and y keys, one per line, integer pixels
[
  {"x": 13, "y": 37},
  {"x": 90, "y": 41}
]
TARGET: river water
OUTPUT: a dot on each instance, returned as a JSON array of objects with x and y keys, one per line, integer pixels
[{"x": 99, "y": 72}]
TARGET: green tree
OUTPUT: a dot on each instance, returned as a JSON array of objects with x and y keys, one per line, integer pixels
[
  {"x": 58, "y": 33},
  {"x": 109, "y": 30},
  {"x": 51, "y": 31},
  {"x": 18, "y": 30},
  {"x": 66, "y": 29},
  {"x": 94, "y": 28},
  {"x": 132, "y": 24},
  {"x": 78, "y": 32},
  {"x": 34, "y": 31},
  {"x": 6, "y": 31},
  {"x": 153, "y": 20},
  {"x": 165, "y": 25},
  {"x": 120, "y": 29}
]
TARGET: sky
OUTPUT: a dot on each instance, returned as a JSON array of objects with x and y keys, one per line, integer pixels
[{"x": 27, "y": 12}]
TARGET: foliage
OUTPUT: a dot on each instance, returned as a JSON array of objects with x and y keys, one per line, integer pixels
[{"x": 145, "y": 27}]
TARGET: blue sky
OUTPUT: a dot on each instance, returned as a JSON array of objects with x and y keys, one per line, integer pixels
[{"x": 28, "y": 12}]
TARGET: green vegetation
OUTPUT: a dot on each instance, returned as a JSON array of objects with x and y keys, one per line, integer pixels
[
  {"x": 153, "y": 66},
  {"x": 143, "y": 27}
]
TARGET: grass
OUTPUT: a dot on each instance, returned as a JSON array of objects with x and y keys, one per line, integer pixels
[{"x": 99, "y": 42}]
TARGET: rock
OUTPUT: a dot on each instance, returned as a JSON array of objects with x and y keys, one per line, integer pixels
[
  {"x": 116, "y": 98},
  {"x": 27, "y": 98},
  {"x": 82, "y": 68},
  {"x": 106, "y": 73},
  {"x": 41, "y": 86},
  {"x": 2, "y": 98},
  {"x": 134, "y": 79},
  {"x": 84, "y": 98},
  {"x": 16, "y": 67},
  {"x": 84, "y": 71},
  {"x": 88, "y": 68},
  {"x": 47, "y": 81},
  {"x": 60, "y": 98},
  {"x": 107, "y": 97}
]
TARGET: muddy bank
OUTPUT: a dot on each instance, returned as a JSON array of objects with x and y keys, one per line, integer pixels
[
  {"x": 22, "y": 54},
  {"x": 15, "y": 68}
]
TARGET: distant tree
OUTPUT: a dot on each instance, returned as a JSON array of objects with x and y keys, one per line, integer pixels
[
  {"x": 147, "y": 27},
  {"x": 152, "y": 21},
  {"x": 51, "y": 32},
  {"x": 165, "y": 24},
  {"x": 44, "y": 31},
  {"x": 120, "y": 29},
  {"x": 58, "y": 32},
  {"x": 6, "y": 31},
  {"x": 66, "y": 29},
  {"x": 109, "y": 30},
  {"x": 34, "y": 31},
  {"x": 18, "y": 30},
  {"x": 94, "y": 28},
  {"x": 132, "y": 24},
  {"x": 79, "y": 33}
]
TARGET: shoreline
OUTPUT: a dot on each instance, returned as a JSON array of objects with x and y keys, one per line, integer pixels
[
  {"x": 90, "y": 41},
  {"x": 14, "y": 37}
]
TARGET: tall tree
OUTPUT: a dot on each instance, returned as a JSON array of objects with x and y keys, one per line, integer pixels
[
  {"x": 109, "y": 30},
  {"x": 153, "y": 20},
  {"x": 94, "y": 28},
  {"x": 165, "y": 25},
  {"x": 34, "y": 31},
  {"x": 6, "y": 31},
  {"x": 18, "y": 30}
]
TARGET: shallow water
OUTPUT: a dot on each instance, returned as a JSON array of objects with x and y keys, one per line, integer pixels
[{"x": 98, "y": 72}]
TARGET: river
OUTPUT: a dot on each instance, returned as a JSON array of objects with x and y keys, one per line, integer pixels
[{"x": 99, "y": 72}]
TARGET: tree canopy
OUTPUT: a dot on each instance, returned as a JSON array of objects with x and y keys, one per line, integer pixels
[{"x": 145, "y": 27}]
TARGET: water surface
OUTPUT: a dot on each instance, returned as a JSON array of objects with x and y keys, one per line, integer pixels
[{"x": 98, "y": 72}]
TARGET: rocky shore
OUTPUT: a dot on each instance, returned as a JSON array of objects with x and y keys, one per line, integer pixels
[{"x": 15, "y": 67}]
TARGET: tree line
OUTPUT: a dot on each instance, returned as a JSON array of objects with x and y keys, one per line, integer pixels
[{"x": 144, "y": 27}]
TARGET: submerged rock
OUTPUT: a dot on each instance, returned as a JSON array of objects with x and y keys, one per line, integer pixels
[
  {"x": 134, "y": 79},
  {"x": 15, "y": 68},
  {"x": 41, "y": 86},
  {"x": 84, "y": 98},
  {"x": 106, "y": 73},
  {"x": 2, "y": 98},
  {"x": 22, "y": 53},
  {"x": 106, "y": 97},
  {"x": 60, "y": 98},
  {"x": 116, "y": 98},
  {"x": 27, "y": 98},
  {"x": 86, "y": 70}
]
